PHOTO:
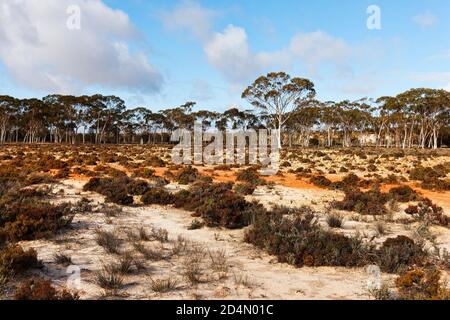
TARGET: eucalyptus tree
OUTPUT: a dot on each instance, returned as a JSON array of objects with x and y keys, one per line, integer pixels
[
  {"x": 277, "y": 95},
  {"x": 104, "y": 113},
  {"x": 302, "y": 121},
  {"x": 8, "y": 110}
]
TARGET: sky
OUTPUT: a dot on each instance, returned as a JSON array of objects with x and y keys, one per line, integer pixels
[{"x": 160, "y": 54}]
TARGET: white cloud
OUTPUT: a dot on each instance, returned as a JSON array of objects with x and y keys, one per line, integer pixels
[
  {"x": 426, "y": 20},
  {"x": 191, "y": 16},
  {"x": 229, "y": 52},
  {"x": 39, "y": 51},
  {"x": 315, "y": 48}
]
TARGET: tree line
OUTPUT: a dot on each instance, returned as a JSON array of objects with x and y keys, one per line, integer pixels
[{"x": 415, "y": 118}]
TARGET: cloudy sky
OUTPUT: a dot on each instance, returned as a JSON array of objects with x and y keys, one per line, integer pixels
[{"x": 161, "y": 53}]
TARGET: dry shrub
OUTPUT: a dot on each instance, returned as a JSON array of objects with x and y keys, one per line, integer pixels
[
  {"x": 40, "y": 289},
  {"x": 429, "y": 212},
  {"x": 109, "y": 280},
  {"x": 218, "y": 205},
  {"x": 28, "y": 218},
  {"x": 163, "y": 285},
  {"x": 15, "y": 261},
  {"x": 114, "y": 189},
  {"x": 321, "y": 181},
  {"x": 187, "y": 175},
  {"x": 245, "y": 189},
  {"x": 250, "y": 175},
  {"x": 154, "y": 161},
  {"x": 108, "y": 240},
  {"x": 137, "y": 187},
  {"x": 335, "y": 221},
  {"x": 403, "y": 194},
  {"x": 158, "y": 196},
  {"x": 420, "y": 284},
  {"x": 297, "y": 239},
  {"x": 368, "y": 203},
  {"x": 62, "y": 259},
  {"x": 397, "y": 254},
  {"x": 432, "y": 178}
]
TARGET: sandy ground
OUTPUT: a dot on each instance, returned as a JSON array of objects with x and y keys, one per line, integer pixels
[{"x": 252, "y": 273}]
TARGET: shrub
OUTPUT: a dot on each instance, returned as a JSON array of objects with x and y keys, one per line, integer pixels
[
  {"x": 245, "y": 189},
  {"x": 335, "y": 221},
  {"x": 250, "y": 175},
  {"x": 195, "y": 225},
  {"x": 298, "y": 240},
  {"x": 29, "y": 219},
  {"x": 157, "y": 196},
  {"x": 187, "y": 175},
  {"x": 397, "y": 254},
  {"x": 114, "y": 189},
  {"x": 403, "y": 194},
  {"x": 108, "y": 240},
  {"x": 62, "y": 259},
  {"x": 163, "y": 285},
  {"x": 40, "y": 289},
  {"x": 419, "y": 284},
  {"x": 369, "y": 203},
  {"x": 321, "y": 181},
  {"x": 429, "y": 212},
  {"x": 422, "y": 174},
  {"x": 137, "y": 187},
  {"x": 155, "y": 161},
  {"x": 436, "y": 184},
  {"x": 15, "y": 261},
  {"x": 40, "y": 179},
  {"x": 217, "y": 204},
  {"x": 109, "y": 280}
]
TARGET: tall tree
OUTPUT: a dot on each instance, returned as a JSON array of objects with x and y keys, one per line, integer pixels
[{"x": 277, "y": 94}]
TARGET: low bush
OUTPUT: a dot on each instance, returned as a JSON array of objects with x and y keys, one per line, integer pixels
[
  {"x": 40, "y": 289},
  {"x": 114, "y": 189},
  {"x": 420, "y": 284},
  {"x": 429, "y": 212},
  {"x": 297, "y": 239},
  {"x": 335, "y": 221},
  {"x": 245, "y": 189},
  {"x": 421, "y": 173},
  {"x": 137, "y": 187},
  {"x": 321, "y": 181},
  {"x": 217, "y": 204},
  {"x": 158, "y": 196},
  {"x": 250, "y": 175},
  {"x": 187, "y": 175},
  {"x": 397, "y": 254},
  {"x": 368, "y": 203},
  {"x": 15, "y": 261},
  {"x": 403, "y": 194},
  {"x": 28, "y": 218}
]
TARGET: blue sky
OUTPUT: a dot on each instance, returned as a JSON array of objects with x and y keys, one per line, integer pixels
[{"x": 208, "y": 51}]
